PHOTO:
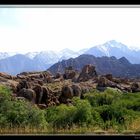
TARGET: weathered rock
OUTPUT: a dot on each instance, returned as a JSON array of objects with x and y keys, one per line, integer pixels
[
  {"x": 42, "y": 94},
  {"x": 88, "y": 72},
  {"x": 3, "y": 80},
  {"x": 57, "y": 102},
  {"x": 124, "y": 80},
  {"x": 58, "y": 75},
  {"x": 49, "y": 79},
  {"x": 76, "y": 90},
  {"x": 5, "y": 75},
  {"x": 45, "y": 95},
  {"x": 69, "y": 73},
  {"x": 54, "y": 99},
  {"x": 57, "y": 80},
  {"x": 28, "y": 94},
  {"x": 21, "y": 98},
  {"x": 42, "y": 106},
  {"x": 109, "y": 77},
  {"x": 117, "y": 80},
  {"x": 135, "y": 87},
  {"x": 13, "y": 85},
  {"x": 84, "y": 87},
  {"x": 102, "y": 82},
  {"x": 39, "y": 93},
  {"x": 21, "y": 76},
  {"x": 67, "y": 91},
  {"x": 45, "y": 76},
  {"x": 64, "y": 100},
  {"x": 23, "y": 84},
  {"x": 40, "y": 82}
]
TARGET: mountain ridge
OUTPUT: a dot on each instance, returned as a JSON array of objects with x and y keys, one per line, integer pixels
[
  {"x": 44, "y": 59},
  {"x": 104, "y": 65}
]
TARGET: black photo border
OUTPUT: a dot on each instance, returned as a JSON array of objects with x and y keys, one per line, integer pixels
[{"x": 42, "y": 3}]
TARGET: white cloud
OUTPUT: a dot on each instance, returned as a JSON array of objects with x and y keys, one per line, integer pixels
[{"x": 74, "y": 28}]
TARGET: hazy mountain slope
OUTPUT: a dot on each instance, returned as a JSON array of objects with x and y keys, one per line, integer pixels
[
  {"x": 104, "y": 65},
  {"x": 16, "y": 64}
]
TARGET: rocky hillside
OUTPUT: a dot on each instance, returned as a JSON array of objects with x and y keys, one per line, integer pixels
[
  {"x": 104, "y": 65},
  {"x": 45, "y": 89}
]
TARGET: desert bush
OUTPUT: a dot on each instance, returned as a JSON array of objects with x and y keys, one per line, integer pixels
[
  {"x": 103, "y": 110},
  {"x": 84, "y": 111},
  {"x": 105, "y": 98},
  {"x": 17, "y": 113},
  {"x": 61, "y": 116},
  {"x": 96, "y": 118},
  {"x": 131, "y": 96},
  {"x": 3, "y": 121},
  {"x": 129, "y": 104},
  {"x": 130, "y": 101},
  {"x": 134, "y": 106},
  {"x": 109, "y": 113},
  {"x": 5, "y": 94},
  {"x": 36, "y": 118}
]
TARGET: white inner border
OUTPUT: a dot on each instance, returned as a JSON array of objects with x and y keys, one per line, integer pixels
[{"x": 69, "y": 6}]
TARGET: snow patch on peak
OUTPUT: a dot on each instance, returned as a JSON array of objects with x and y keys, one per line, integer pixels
[{"x": 31, "y": 55}]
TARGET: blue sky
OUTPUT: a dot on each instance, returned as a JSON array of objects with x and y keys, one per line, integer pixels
[{"x": 37, "y": 29}]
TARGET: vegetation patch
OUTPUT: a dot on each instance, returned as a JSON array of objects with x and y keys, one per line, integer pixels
[{"x": 111, "y": 111}]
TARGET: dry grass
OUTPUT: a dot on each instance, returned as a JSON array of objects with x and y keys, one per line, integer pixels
[{"x": 134, "y": 128}]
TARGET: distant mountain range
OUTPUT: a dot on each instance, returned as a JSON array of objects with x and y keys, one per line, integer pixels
[
  {"x": 104, "y": 65},
  {"x": 14, "y": 63},
  {"x": 117, "y": 49}
]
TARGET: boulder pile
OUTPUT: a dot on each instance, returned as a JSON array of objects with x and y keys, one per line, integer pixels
[{"x": 36, "y": 87}]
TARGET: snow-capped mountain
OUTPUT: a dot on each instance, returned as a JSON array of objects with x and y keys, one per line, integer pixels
[
  {"x": 82, "y": 51},
  {"x": 117, "y": 49},
  {"x": 46, "y": 57},
  {"x": 4, "y": 55},
  {"x": 67, "y": 53},
  {"x": 31, "y": 55},
  {"x": 12, "y": 62}
]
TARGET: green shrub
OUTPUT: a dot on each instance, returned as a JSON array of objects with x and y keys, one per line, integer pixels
[
  {"x": 109, "y": 113},
  {"x": 108, "y": 109},
  {"x": 61, "y": 116},
  {"x": 5, "y": 94},
  {"x": 64, "y": 115},
  {"x": 51, "y": 114},
  {"x": 113, "y": 91},
  {"x": 97, "y": 120},
  {"x": 3, "y": 121},
  {"x": 17, "y": 113},
  {"x": 84, "y": 111},
  {"x": 36, "y": 117},
  {"x": 131, "y": 96},
  {"x": 130, "y": 101},
  {"x": 134, "y": 106},
  {"x": 105, "y": 98}
]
